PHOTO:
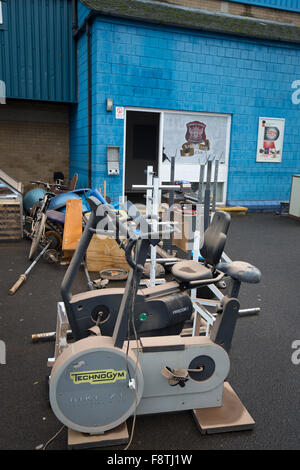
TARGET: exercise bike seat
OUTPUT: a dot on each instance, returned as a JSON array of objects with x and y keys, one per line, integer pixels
[
  {"x": 188, "y": 270},
  {"x": 212, "y": 249},
  {"x": 241, "y": 271}
]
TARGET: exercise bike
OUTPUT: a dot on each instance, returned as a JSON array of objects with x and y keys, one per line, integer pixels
[
  {"x": 165, "y": 307},
  {"x": 119, "y": 364}
]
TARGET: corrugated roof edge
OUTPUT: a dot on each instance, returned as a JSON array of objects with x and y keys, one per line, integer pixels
[{"x": 173, "y": 15}]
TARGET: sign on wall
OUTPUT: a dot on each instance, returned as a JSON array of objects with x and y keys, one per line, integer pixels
[
  {"x": 120, "y": 112},
  {"x": 270, "y": 140},
  {"x": 191, "y": 137}
]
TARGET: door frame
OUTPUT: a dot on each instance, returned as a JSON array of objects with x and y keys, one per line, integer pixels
[{"x": 160, "y": 139}]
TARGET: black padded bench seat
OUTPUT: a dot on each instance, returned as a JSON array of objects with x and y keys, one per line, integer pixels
[
  {"x": 188, "y": 270},
  {"x": 241, "y": 271},
  {"x": 212, "y": 249}
]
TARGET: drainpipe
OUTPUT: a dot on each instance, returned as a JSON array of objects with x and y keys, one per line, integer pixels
[
  {"x": 89, "y": 91},
  {"x": 85, "y": 27}
]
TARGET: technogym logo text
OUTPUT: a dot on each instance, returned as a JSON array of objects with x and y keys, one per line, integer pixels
[{"x": 98, "y": 376}]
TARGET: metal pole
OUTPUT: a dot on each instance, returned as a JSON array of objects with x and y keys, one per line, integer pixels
[
  {"x": 201, "y": 179},
  {"x": 23, "y": 277},
  {"x": 214, "y": 200},
  {"x": 90, "y": 284},
  {"x": 171, "y": 203},
  {"x": 155, "y": 197},
  {"x": 51, "y": 336},
  {"x": 207, "y": 195}
]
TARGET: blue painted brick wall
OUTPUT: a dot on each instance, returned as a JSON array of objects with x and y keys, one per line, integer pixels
[
  {"x": 159, "y": 67},
  {"x": 83, "y": 11},
  {"x": 78, "y": 120}
]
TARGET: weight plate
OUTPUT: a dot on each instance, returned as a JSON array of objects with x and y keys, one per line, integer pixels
[
  {"x": 114, "y": 274},
  {"x": 54, "y": 238}
]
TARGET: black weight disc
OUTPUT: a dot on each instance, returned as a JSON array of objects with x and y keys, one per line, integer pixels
[{"x": 206, "y": 366}]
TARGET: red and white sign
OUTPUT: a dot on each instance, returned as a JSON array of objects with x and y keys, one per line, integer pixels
[
  {"x": 270, "y": 140},
  {"x": 120, "y": 112}
]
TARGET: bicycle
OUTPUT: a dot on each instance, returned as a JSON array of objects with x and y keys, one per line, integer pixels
[{"x": 39, "y": 214}]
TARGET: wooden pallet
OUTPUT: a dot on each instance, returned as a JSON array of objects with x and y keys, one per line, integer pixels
[
  {"x": 116, "y": 436},
  {"x": 231, "y": 416},
  {"x": 10, "y": 220}
]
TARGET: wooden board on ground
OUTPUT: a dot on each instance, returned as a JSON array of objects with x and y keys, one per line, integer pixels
[
  {"x": 10, "y": 220},
  {"x": 117, "y": 436},
  {"x": 236, "y": 210},
  {"x": 105, "y": 253},
  {"x": 232, "y": 416},
  {"x": 72, "y": 227}
]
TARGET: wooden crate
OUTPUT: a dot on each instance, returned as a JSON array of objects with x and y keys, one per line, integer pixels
[
  {"x": 104, "y": 253},
  {"x": 186, "y": 225},
  {"x": 10, "y": 219}
]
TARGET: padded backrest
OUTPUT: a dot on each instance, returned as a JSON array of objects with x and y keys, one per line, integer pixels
[{"x": 215, "y": 238}]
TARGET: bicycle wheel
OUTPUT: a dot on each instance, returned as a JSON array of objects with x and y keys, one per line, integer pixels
[{"x": 38, "y": 231}]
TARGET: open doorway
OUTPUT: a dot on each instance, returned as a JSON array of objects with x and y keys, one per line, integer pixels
[{"x": 142, "y": 147}]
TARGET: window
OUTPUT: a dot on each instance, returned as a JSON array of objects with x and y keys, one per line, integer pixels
[{"x": 1, "y": 17}]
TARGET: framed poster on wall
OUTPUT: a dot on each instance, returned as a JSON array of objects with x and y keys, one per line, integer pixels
[
  {"x": 270, "y": 140},
  {"x": 193, "y": 138}
]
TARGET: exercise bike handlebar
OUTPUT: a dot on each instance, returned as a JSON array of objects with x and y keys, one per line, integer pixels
[
  {"x": 98, "y": 213},
  {"x": 131, "y": 235},
  {"x": 125, "y": 230}
]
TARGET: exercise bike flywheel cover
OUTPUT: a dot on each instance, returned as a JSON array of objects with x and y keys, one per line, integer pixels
[{"x": 89, "y": 385}]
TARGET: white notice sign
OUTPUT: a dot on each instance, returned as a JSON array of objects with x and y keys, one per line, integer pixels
[
  {"x": 270, "y": 140},
  {"x": 119, "y": 112}
]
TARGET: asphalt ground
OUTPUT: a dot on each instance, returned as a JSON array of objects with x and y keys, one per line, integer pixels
[{"x": 262, "y": 372}]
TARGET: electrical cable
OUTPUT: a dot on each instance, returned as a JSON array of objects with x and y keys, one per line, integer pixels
[
  {"x": 53, "y": 437},
  {"x": 128, "y": 326},
  {"x": 136, "y": 364}
]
